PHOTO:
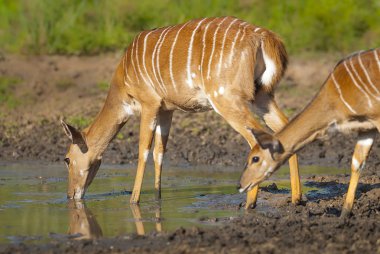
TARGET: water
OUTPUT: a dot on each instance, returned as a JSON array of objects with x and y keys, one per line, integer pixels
[{"x": 34, "y": 208}]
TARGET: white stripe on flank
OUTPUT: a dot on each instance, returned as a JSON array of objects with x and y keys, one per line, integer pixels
[
  {"x": 125, "y": 71},
  {"x": 377, "y": 58},
  {"x": 341, "y": 95},
  {"x": 133, "y": 63},
  {"x": 144, "y": 51},
  {"x": 171, "y": 56},
  {"x": 189, "y": 80},
  {"x": 356, "y": 84},
  {"x": 366, "y": 74},
  {"x": 257, "y": 29},
  {"x": 213, "y": 48},
  {"x": 245, "y": 27},
  {"x": 154, "y": 55},
  {"x": 158, "y": 58},
  {"x": 223, "y": 43},
  {"x": 233, "y": 43},
  {"x": 362, "y": 82},
  {"x": 270, "y": 68},
  {"x": 203, "y": 50},
  {"x": 137, "y": 58}
]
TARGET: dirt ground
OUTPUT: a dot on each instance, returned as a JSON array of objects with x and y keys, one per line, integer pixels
[{"x": 52, "y": 87}]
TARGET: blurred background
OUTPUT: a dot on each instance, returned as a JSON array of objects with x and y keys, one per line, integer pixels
[
  {"x": 91, "y": 27},
  {"x": 57, "y": 58}
]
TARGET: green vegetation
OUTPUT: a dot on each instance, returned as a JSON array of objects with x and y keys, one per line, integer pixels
[
  {"x": 7, "y": 86},
  {"x": 79, "y": 122},
  {"x": 93, "y": 26},
  {"x": 103, "y": 85}
]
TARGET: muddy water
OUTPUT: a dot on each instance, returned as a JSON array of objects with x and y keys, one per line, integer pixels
[{"x": 33, "y": 207}]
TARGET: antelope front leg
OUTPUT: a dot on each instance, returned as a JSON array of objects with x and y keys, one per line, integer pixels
[
  {"x": 147, "y": 127},
  {"x": 239, "y": 116},
  {"x": 160, "y": 141},
  {"x": 275, "y": 119},
  {"x": 362, "y": 149}
]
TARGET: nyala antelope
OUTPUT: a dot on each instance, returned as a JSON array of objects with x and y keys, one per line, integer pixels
[
  {"x": 348, "y": 101},
  {"x": 223, "y": 63}
]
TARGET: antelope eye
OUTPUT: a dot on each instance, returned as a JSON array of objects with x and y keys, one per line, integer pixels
[
  {"x": 255, "y": 159},
  {"x": 67, "y": 161}
]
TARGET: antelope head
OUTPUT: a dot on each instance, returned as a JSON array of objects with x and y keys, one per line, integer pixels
[
  {"x": 81, "y": 162},
  {"x": 264, "y": 159}
]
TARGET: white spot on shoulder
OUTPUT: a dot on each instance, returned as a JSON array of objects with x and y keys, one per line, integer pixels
[{"x": 221, "y": 90}]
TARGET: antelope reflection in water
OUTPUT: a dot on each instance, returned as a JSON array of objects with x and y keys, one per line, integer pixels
[{"x": 83, "y": 224}]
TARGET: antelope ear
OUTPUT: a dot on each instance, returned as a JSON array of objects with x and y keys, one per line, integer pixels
[
  {"x": 75, "y": 136},
  {"x": 267, "y": 141}
]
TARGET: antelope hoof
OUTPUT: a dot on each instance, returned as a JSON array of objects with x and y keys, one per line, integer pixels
[
  {"x": 134, "y": 199},
  {"x": 346, "y": 213}
]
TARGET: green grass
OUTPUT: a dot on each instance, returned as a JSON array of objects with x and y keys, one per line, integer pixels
[
  {"x": 79, "y": 122},
  {"x": 103, "y": 86},
  {"x": 94, "y": 26},
  {"x": 7, "y": 86}
]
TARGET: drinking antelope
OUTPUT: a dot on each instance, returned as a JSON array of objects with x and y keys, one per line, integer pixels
[
  {"x": 224, "y": 64},
  {"x": 349, "y": 100}
]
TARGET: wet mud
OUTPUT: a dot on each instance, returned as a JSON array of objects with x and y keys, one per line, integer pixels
[{"x": 32, "y": 132}]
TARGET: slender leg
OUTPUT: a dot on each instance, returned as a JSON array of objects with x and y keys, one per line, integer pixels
[
  {"x": 147, "y": 127},
  {"x": 275, "y": 119},
  {"x": 239, "y": 116},
  {"x": 362, "y": 149},
  {"x": 158, "y": 218},
  {"x": 160, "y": 141},
  {"x": 138, "y": 220}
]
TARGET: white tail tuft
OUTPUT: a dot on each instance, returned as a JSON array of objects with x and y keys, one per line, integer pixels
[{"x": 270, "y": 70}]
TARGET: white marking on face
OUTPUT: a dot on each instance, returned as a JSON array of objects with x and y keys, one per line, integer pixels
[
  {"x": 366, "y": 74},
  {"x": 264, "y": 163},
  {"x": 74, "y": 162},
  {"x": 357, "y": 85},
  {"x": 341, "y": 95},
  {"x": 146, "y": 153},
  {"x": 171, "y": 56},
  {"x": 81, "y": 172},
  {"x": 213, "y": 48},
  {"x": 223, "y": 44},
  {"x": 127, "y": 108},
  {"x": 270, "y": 69},
  {"x": 189, "y": 55},
  {"x": 221, "y": 90}
]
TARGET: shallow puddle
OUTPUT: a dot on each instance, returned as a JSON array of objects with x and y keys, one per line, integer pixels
[{"x": 33, "y": 205}]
